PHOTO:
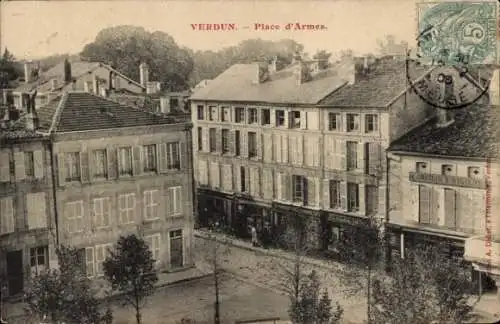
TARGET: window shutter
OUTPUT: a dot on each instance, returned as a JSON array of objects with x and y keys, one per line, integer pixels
[
  {"x": 287, "y": 186},
  {"x": 300, "y": 149},
  {"x": 267, "y": 183},
  {"x": 91, "y": 164},
  {"x": 231, "y": 142},
  {"x": 343, "y": 195},
  {"x": 277, "y": 147},
  {"x": 238, "y": 179},
  {"x": 218, "y": 140},
  {"x": 449, "y": 208},
  {"x": 85, "y": 159},
  {"x": 162, "y": 148},
  {"x": 61, "y": 165},
  {"x": 272, "y": 112},
  {"x": 183, "y": 160},
  {"x": 382, "y": 204},
  {"x": 7, "y": 219},
  {"x": 361, "y": 157},
  {"x": 4, "y": 167},
  {"x": 259, "y": 146},
  {"x": 137, "y": 160},
  {"x": 284, "y": 148},
  {"x": 227, "y": 177},
  {"x": 341, "y": 151},
  {"x": 38, "y": 163},
  {"x": 279, "y": 186},
  {"x": 89, "y": 261},
  {"x": 205, "y": 139},
  {"x": 374, "y": 158},
  {"x": 268, "y": 147},
  {"x": 303, "y": 120},
  {"x": 311, "y": 191},
  {"x": 112, "y": 164},
  {"x": 434, "y": 213},
  {"x": 329, "y": 152},
  {"x": 244, "y": 144},
  {"x": 414, "y": 203},
  {"x": 326, "y": 194},
  {"x": 19, "y": 166},
  {"x": 362, "y": 199},
  {"x": 424, "y": 204},
  {"x": 170, "y": 201},
  {"x": 292, "y": 147}
]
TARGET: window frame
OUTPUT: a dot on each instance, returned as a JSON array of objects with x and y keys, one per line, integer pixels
[
  {"x": 150, "y": 239},
  {"x": 353, "y": 203},
  {"x": 103, "y": 202},
  {"x": 298, "y": 187},
  {"x": 354, "y": 119},
  {"x": 371, "y": 120},
  {"x": 74, "y": 218},
  {"x": 173, "y": 155},
  {"x": 104, "y": 173},
  {"x": 200, "y": 112},
  {"x": 351, "y": 155},
  {"x": 225, "y": 141},
  {"x": 150, "y": 204},
  {"x": 265, "y": 116},
  {"x": 252, "y": 144},
  {"x": 69, "y": 159},
  {"x": 253, "y": 116},
  {"x": 149, "y": 158},
  {"x": 239, "y": 115},
  {"x": 129, "y": 211},
  {"x": 29, "y": 164},
  {"x": 338, "y": 118},
  {"x": 280, "y": 117},
  {"x": 212, "y": 140},
  {"x": 125, "y": 153},
  {"x": 338, "y": 202},
  {"x": 294, "y": 120},
  {"x": 175, "y": 193}
]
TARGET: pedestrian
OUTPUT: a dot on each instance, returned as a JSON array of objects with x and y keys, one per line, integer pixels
[{"x": 254, "y": 236}]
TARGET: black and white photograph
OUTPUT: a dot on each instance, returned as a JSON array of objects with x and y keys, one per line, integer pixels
[{"x": 253, "y": 161}]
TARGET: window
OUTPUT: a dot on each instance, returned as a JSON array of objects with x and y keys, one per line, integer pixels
[
  {"x": 125, "y": 160},
  {"x": 252, "y": 116},
  {"x": 239, "y": 115},
  {"x": 176, "y": 249},
  {"x": 266, "y": 117},
  {"x": 295, "y": 119},
  {"x": 225, "y": 115},
  {"x": 334, "y": 121},
  {"x": 151, "y": 203},
  {"x": 201, "y": 112},
  {"x": 101, "y": 253},
  {"x": 473, "y": 172},
  {"x": 89, "y": 262},
  {"x": 352, "y": 155},
  {"x": 424, "y": 200},
  {"x": 371, "y": 123},
  {"x": 212, "y": 112},
  {"x": 421, "y": 167},
  {"x": 7, "y": 222},
  {"x": 175, "y": 200},
  {"x": 243, "y": 179},
  {"x": 352, "y": 197},
  {"x": 447, "y": 169},
  {"x": 126, "y": 207},
  {"x": 252, "y": 144},
  {"x": 352, "y": 122},
  {"x": 39, "y": 259},
  {"x": 200, "y": 139},
  {"x": 298, "y": 183},
  {"x": 173, "y": 156},
  {"x": 450, "y": 208},
  {"x": 100, "y": 164},
  {"x": 153, "y": 242},
  {"x": 74, "y": 216},
  {"x": 72, "y": 161},
  {"x": 335, "y": 237},
  {"x": 29, "y": 164},
  {"x": 149, "y": 158},
  {"x": 225, "y": 141},
  {"x": 371, "y": 199},
  {"x": 334, "y": 194},
  {"x": 237, "y": 143},
  {"x": 280, "y": 118},
  {"x": 212, "y": 140},
  {"x": 101, "y": 212}
]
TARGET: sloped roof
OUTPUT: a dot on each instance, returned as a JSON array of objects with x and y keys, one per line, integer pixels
[
  {"x": 475, "y": 133},
  {"x": 82, "y": 111},
  {"x": 236, "y": 84},
  {"x": 386, "y": 79}
]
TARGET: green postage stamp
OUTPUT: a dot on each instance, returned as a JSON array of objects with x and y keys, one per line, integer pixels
[{"x": 451, "y": 33}]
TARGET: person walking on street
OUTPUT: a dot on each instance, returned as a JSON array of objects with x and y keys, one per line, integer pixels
[{"x": 254, "y": 236}]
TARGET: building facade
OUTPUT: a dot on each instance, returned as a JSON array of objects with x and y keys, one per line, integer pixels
[
  {"x": 27, "y": 224},
  {"x": 297, "y": 143}
]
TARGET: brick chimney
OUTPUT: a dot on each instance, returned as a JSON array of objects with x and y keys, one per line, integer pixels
[
  {"x": 144, "y": 74},
  {"x": 67, "y": 71},
  {"x": 28, "y": 71}
]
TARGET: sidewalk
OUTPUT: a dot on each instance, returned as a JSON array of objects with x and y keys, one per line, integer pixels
[
  {"x": 15, "y": 312},
  {"x": 242, "y": 266}
]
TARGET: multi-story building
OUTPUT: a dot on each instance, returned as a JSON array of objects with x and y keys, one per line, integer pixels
[
  {"x": 27, "y": 225},
  {"x": 302, "y": 140},
  {"x": 118, "y": 170},
  {"x": 444, "y": 184}
]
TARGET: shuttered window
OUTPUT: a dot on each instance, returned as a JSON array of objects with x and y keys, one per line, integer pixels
[
  {"x": 352, "y": 197},
  {"x": 125, "y": 161},
  {"x": 100, "y": 165},
  {"x": 334, "y": 187},
  {"x": 173, "y": 156},
  {"x": 29, "y": 164},
  {"x": 424, "y": 197},
  {"x": 352, "y": 155},
  {"x": 149, "y": 158},
  {"x": 72, "y": 165},
  {"x": 6, "y": 215},
  {"x": 174, "y": 201}
]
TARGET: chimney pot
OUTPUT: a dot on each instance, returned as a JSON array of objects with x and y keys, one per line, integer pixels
[{"x": 67, "y": 71}]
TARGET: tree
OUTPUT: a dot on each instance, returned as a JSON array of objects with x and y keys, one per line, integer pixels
[
  {"x": 310, "y": 307},
  {"x": 426, "y": 286},
  {"x": 362, "y": 247},
  {"x": 64, "y": 294},
  {"x": 324, "y": 58},
  {"x": 126, "y": 47},
  {"x": 9, "y": 70},
  {"x": 130, "y": 270},
  {"x": 389, "y": 46}
]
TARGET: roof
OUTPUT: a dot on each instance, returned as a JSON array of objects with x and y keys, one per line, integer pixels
[
  {"x": 82, "y": 111},
  {"x": 475, "y": 133},
  {"x": 386, "y": 80},
  {"x": 78, "y": 69},
  {"x": 236, "y": 84}
]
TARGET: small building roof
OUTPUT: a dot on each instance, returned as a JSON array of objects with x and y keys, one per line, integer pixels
[{"x": 475, "y": 133}]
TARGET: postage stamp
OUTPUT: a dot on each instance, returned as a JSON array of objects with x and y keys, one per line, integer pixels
[{"x": 451, "y": 33}]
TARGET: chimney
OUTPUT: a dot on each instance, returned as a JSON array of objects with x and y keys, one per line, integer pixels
[
  {"x": 262, "y": 73},
  {"x": 67, "y": 71},
  {"x": 28, "y": 71},
  {"x": 53, "y": 84},
  {"x": 144, "y": 74},
  {"x": 347, "y": 70},
  {"x": 152, "y": 87},
  {"x": 494, "y": 88},
  {"x": 301, "y": 73},
  {"x": 96, "y": 85},
  {"x": 365, "y": 64},
  {"x": 445, "y": 116},
  {"x": 272, "y": 68},
  {"x": 165, "y": 105}
]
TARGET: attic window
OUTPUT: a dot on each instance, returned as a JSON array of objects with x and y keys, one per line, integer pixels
[
  {"x": 473, "y": 172},
  {"x": 421, "y": 167},
  {"x": 447, "y": 169}
]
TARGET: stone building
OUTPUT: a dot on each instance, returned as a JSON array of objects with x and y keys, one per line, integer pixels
[{"x": 306, "y": 140}]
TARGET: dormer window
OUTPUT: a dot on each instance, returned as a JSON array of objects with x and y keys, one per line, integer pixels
[
  {"x": 295, "y": 119},
  {"x": 422, "y": 167},
  {"x": 447, "y": 169},
  {"x": 474, "y": 172}
]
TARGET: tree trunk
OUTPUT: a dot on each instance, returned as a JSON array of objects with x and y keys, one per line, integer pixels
[
  {"x": 368, "y": 294},
  {"x": 138, "y": 315}
]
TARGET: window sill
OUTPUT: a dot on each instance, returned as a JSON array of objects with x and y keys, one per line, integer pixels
[
  {"x": 150, "y": 220},
  {"x": 103, "y": 228}
]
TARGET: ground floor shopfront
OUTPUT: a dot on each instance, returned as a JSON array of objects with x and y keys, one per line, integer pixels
[{"x": 401, "y": 240}]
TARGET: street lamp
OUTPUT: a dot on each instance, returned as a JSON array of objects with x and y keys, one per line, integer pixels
[{"x": 216, "y": 278}]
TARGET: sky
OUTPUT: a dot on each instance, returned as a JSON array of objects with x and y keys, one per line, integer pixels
[{"x": 33, "y": 29}]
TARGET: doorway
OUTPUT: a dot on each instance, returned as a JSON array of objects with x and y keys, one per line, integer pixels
[
  {"x": 176, "y": 249},
  {"x": 15, "y": 272}
]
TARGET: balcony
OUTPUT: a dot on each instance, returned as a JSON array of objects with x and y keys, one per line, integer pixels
[{"x": 447, "y": 180}]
